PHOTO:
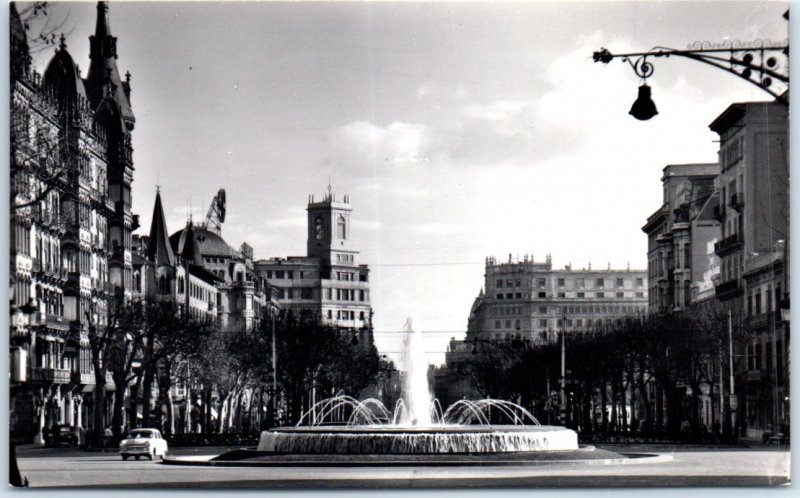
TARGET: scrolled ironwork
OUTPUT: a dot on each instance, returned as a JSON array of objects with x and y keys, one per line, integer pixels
[{"x": 762, "y": 62}]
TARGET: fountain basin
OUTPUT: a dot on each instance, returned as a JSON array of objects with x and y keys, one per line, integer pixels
[{"x": 386, "y": 439}]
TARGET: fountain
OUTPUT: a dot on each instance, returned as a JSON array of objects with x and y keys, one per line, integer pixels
[{"x": 417, "y": 425}]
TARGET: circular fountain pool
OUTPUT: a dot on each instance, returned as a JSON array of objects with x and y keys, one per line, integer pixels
[{"x": 417, "y": 440}]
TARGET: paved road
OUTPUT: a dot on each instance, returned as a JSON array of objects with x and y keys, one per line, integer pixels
[{"x": 688, "y": 467}]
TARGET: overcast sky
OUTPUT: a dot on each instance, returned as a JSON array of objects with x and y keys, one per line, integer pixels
[{"x": 459, "y": 130}]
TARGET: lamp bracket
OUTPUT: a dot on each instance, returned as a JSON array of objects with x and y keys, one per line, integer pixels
[{"x": 763, "y": 63}]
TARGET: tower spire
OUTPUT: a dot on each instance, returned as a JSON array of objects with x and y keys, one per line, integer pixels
[
  {"x": 103, "y": 80},
  {"x": 159, "y": 249}
]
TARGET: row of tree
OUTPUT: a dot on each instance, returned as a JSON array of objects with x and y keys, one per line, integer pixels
[
  {"x": 144, "y": 346},
  {"x": 653, "y": 365}
]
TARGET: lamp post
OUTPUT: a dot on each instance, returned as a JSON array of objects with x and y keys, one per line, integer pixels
[{"x": 763, "y": 63}]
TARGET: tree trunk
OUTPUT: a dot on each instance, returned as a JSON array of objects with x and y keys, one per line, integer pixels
[
  {"x": 119, "y": 401},
  {"x": 147, "y": 395},
  {"x": 603, "y": 404},
  {"x": 99, "y": 414},
  {"x": 134, "y": 401},
  {"x": 623, "y": 399}
]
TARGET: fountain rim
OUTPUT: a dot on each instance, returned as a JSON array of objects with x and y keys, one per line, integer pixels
[{"x": 443, "y": 429}]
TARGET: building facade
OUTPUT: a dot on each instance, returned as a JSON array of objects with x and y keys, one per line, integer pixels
[
  {"x": 753, "y": 252},
  {"x": 71, "y": 222},
  {"x": 678, "y": 234},
  {"x": 524, "y": 299},
  {"x": 329, "y": 282}
]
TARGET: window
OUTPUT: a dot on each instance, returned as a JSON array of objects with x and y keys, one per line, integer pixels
[
  {"x": 269, "y": 273},
  {"x": 601, "y": 294},
  {"x": 640, "y": 294},
  {"x": 509, "y": 295},
  {"x": 620, "y": 294},
  {"x": 279, "y": 274},
  {"x": 499, "y": 295},
  {"x": 518, "y": 295},
  {"x": 542, "y": 295},
  {"x": 541, "y": 282},
  {"x": 508, "y": 324},
  {"x": 340, "y": 228},
  {"x": 543, "y": 310},
  {"x": 580, "y": 283},
  {"x": 318, "y": 228},
  {"x": 599, "y": 283},
  {"x": 562, "y": 294},
  {"x": 561, "y": 282},
  {"x": 497, "y": 324},
  {"x": 518, "y": 283},
  {"x": 499, "y": 283},
  {"x": 290, "y": 275},
  {"x": 581, "y": 294},
  {"x": 639, "y": 282},
  {"x": 543, "y": 324},
  {"x": 758, "y": 302},
  {"x": 361, "y": 315},
  {"x": 517, "y": 324},
  {"x": 620, "y": 282}
]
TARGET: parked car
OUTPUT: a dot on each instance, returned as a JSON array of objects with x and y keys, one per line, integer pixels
[
  {"x": 143, "y": 442},
  {"x": 63, "y": 435}
]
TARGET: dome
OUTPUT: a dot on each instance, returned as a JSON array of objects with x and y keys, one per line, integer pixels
[{"x": 207, "y": 242}]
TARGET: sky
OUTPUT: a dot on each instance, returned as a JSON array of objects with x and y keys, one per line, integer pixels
[{"x": 459, "y": 130}]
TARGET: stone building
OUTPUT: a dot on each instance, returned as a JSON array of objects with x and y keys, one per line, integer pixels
[
  {"x": 753, "y": 252},
  {"x": 678, "y": 234},
  {"x": 71, "y": 222},
  {"x": 328, "y": 282},
  {"x": 524, "y": 299}
]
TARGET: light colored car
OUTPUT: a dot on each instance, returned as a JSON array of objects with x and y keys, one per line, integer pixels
[{"x": 143, "y": 442}]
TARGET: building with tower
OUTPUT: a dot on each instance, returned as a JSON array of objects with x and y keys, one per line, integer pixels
[
  {"x": 328, "y": 282},
  {"x": 71, "y": 222}
]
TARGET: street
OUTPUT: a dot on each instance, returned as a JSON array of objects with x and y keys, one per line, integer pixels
[{"x": 756, "y": 466}]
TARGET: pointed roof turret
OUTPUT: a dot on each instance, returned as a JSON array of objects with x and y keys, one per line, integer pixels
[
  {"x": 20, "y": 52},
  {"x": 158, "y": 248},
  {"x": 188, "y": 247},
  {"x": 103, "y": 79}
]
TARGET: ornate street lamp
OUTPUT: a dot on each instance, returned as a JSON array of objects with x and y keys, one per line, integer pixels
[{"x": 763, "y": 63}]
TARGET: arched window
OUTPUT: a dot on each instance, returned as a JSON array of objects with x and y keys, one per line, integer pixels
[
  {"x": 340, "y": 228},
  {"x": 318, "y": 228}
]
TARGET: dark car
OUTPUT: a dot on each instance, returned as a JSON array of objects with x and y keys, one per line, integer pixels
[{"x": 63, "y": 435}]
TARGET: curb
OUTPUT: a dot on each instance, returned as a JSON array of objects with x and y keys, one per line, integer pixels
[{"x": 629, "y": 459}]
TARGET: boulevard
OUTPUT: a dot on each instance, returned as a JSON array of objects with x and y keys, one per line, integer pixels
[{"x": 689, "y": 466}]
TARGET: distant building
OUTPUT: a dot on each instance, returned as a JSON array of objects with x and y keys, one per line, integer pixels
[
  {"x": 678, "y": 234},
  {"x": 531, "y": 300},
  {"x": 328, "y": 283}
]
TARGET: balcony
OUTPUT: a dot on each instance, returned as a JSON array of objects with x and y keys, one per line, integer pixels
[
  {"x": 763, "y": 320},
  {"x": 728, "y": 289},
  {"x": 85, "y": 378},
  {"x": 728, "y": 245},
  {"x": 737, "y": 201},
  {"x": 54, "y": 375},
  {"x": 755, "y": 375}
]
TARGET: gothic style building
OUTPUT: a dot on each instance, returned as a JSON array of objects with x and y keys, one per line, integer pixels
[{"x": 71, "y": 167}]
